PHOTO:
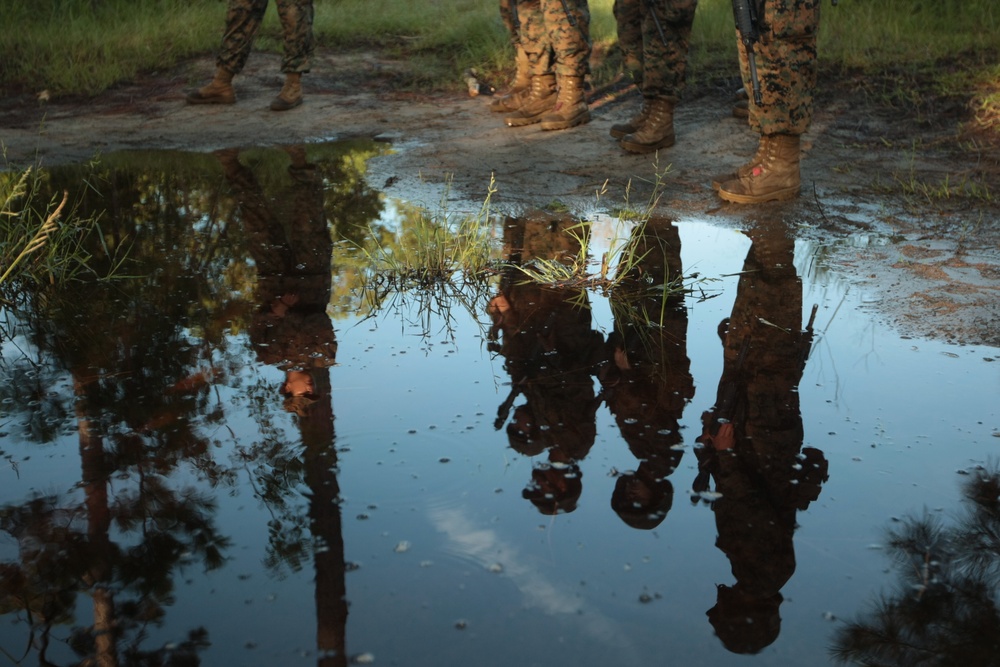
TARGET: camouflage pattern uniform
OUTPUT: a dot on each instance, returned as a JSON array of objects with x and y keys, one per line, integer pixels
[
  {"x": 657, "y": 63},
  {"x": 551, "y": 41},
  {"x": 529, "y": 32},
  {"x": 243, "y": 21},
  {"x": 786, "y": 65}
]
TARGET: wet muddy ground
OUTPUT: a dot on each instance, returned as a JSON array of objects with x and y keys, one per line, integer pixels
[{"x": 906, "y": 198}]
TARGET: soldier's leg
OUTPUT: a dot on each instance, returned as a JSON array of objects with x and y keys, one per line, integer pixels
[
  {"x": 534, "y": 39},
  {"x": 243, "y": 19},
  {"x": 628, "y": 22},
  {"x": 568, "y": 23},
  {"x": 786, "y": 65},
  {"x": 296, "y": 23},
  {"x": 666, "y": 36}
]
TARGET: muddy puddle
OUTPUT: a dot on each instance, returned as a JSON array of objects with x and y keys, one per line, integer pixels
[{"x": 241, "y": 451}]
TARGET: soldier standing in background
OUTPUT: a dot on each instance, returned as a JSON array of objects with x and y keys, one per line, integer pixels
[
  {"x": 555, "y": 35},
  {"x": 786, "y": 67},
  {"x": 654, "y": 36},
  {"x": 243, "y": 21}
]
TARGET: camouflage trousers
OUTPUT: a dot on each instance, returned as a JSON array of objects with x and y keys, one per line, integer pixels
[
  {"x": 555, "y": 34},
  {"x": 243, "y": 21},
  {"x": 786, "y": 66},
  {"x": 654, "y": 36}
]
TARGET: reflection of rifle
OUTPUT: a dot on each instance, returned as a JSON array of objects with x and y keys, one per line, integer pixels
[
  {"x": 515, "y": 19},
  {"x": 650, "y": 6},
  {"x": 747, "y": 21}
]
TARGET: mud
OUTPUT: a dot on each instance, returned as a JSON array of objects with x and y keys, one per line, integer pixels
[{"x": 905, "y": 202}]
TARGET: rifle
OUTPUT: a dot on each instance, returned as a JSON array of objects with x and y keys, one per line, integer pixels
[
  {"x": 656, "y": 21},
  {"x": 747, "y": 21}
]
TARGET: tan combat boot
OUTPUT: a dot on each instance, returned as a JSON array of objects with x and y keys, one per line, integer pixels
[
  {"x": 658, "y": 130},
  {"x": 632, "y": 125},
  {"x": 291, "y": 93},
  {"x": 571, "y": 105},
  {"x": 218, "y": 91},
  {"x": 743, "y": 169},
  {"x": 519, "y": 88},
  {"x": 775, "y": 178},
  {"x": 540, "y": 100}
]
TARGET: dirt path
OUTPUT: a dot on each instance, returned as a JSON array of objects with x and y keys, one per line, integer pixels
[{"x": 931, "y": 264}]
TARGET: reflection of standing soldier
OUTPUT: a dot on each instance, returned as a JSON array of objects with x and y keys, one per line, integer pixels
[
  {"x": 291, "y": 245},
  {"x": 647, "y": 381},
  {"x": 654, "y": 36},
  {"x": 550, "y": 348},
  {"x": 243, "y": 21},
  {"x": 752, "y": 443},
  {"x": 555, "y": 35}
]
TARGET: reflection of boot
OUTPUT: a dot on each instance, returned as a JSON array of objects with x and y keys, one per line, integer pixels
[
  {"x": 571, "y": 105},
  {"x": 775, "y": 178},
  {"x": 656, "y": 132},
  {"x": 541, "y": 98},
  {"x": 218, "y": 91},
  {"x": 519, "y": 88},
  {"x": 291, "y": 93},
  {"x": 743, "y": 169},
  {"x": 632, "y": 125}
]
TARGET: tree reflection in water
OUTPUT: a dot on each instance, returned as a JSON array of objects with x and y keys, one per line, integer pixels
[
  {"x": 945, "y": 607},
  {"x": 142, "y": 356}
]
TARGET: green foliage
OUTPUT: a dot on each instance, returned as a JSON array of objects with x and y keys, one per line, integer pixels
[
  {"x": 86, "y": 46},
  {"x": 41, "y": 238}
]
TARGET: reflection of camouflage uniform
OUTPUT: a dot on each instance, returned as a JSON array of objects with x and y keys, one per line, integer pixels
[
  {"x": 243, "y": 21},
  {"x": 545, "y": 25},
  {"x": 786, "y": 65},
  {"x": 657, "y": 63}
]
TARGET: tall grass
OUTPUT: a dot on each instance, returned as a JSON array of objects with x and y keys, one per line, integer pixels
[{"x": 85, "y": 46}]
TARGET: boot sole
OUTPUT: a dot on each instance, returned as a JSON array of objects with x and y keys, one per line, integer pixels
[
  {"x": 281, "y": 105},
  {"x": 566, "y": 124},
  {"x": 777, "y": 195},
  {"x": 648, "y": 148}
]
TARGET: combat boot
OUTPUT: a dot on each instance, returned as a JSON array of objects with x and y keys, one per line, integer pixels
[
  {"x": 519, "y": 88},
  {"x": 540, "y": 100},
  {"x": 658, "y": 130},
  {"x": 571, "y": 105},
  {"x": 218, "y": 91},
  {"x": 775, "y": 178},
  {"x": 743, "y": 169},
  {"x": 291, "y": 93},
  {"x": 632, "y": 125}
]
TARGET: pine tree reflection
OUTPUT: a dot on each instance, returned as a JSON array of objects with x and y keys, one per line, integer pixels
[
  {"x": 752, "y": 442},
  {"x": 647, "y": 381},
  {"x": 291, "y": 245},
  {"x": 550, "y": 350},
  {"x": 945, "y": 609}
]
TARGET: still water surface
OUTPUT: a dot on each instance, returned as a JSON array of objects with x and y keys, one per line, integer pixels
[{"x": 227, "y": 456}]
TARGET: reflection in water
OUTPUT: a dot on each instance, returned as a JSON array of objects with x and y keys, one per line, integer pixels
[
  {"x": 945, "y": 609},
  {"x": 145, "y": 357},
  {"x": 752, "y": 442},
  {"x": 550, "y": 350},
  {"x": 291, "y": 245},
  {"x": 646, "y": 380}
]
